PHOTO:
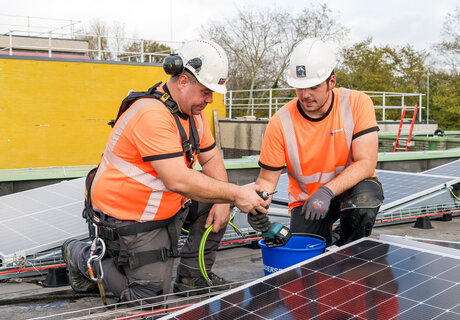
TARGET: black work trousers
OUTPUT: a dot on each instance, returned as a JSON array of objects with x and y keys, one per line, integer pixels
[
  {"x": 154, "y": 279},
  {"x": 356, "y": 210}
]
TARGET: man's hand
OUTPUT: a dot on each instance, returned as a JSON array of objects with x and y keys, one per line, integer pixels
[
  {"x": 317, "y": 205},
  {"x": 248, "y": 201},
  {"x": 219, "y": 215},
  {"x": 259, "y": 222}
]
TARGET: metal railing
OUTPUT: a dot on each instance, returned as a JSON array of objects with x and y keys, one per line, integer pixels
[
  {"x": 98, "y": 47},
  {"x": 263, "y": 103}
]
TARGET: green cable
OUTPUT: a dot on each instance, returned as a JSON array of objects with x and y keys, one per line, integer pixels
[
  {"x": 202, "y": 245},
  {"x": 201, "y": 255},
  {"x": 454, "y": 194}
]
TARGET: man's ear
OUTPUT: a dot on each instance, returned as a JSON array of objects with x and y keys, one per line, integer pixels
[
  {"x": 332, "y": 82},
  {"x": 183, "y": 81}
]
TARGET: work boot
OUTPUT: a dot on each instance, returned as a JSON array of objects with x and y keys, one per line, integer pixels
[
  {"x": 78, "y": 281},
  {"x": 184, "y": 284}
]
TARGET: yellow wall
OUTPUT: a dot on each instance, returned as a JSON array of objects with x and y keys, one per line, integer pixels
[{"x": 55, "y": 113}]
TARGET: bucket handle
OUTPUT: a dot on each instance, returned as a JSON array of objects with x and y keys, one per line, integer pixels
[{"x": 311, "y": 235}]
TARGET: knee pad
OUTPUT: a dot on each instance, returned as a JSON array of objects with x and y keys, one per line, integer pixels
[
  {"x": 367, "y": 194},
  {"x": 357, "y": 223}
]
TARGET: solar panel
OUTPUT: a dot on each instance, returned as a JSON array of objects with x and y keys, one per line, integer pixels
[
  {"x": 404, "y": 186},
  {"x": 451, "y": 169},
  {"x": 441, "y": 246},
  {"x": 42, "y": 218},
  {"x": 367, "y": 279},
  {"x": 398, "y": 186}
]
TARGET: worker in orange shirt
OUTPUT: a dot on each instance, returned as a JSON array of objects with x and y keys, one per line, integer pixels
[
  {"x": 141, "y": 193},
  {"x": 327, "y": 140}
]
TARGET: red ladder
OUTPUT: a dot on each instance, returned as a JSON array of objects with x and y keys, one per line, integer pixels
[{"x": 398, "y": 138}]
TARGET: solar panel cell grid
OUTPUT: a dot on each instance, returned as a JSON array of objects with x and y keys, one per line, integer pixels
[
  {"x": 396, "y": 283},
  {"x": 396, "y": 185},
  {"x": 450, "y": 169},
  {"x": 41, "y": 218}
]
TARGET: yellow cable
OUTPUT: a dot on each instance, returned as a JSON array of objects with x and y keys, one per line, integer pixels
[
  {"x": 238, "y": 231},
  {"x": 454, "y": 195}
]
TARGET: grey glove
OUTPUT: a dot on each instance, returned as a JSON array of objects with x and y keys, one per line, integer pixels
[
  {"x": 259, "y": 222},
  {"x": 317, "y": 205}
]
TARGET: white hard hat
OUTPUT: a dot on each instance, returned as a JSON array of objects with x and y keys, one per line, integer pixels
[
  {"x": 312, "y": 62},
  {"x": 212, "y": 71}
]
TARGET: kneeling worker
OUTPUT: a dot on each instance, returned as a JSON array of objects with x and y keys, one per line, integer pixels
[
  {"x": 327, "y": 139},
  {"x": 144, "y": 183}
]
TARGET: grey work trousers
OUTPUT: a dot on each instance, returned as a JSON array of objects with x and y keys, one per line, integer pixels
[
  {"x": 356, "y": 209},
  {"x": 155, "y": 278}
]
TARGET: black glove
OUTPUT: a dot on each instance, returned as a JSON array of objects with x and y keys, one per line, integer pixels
[
  {"x": 317, "y": 205},
  {"x": 259, "y": 222}
]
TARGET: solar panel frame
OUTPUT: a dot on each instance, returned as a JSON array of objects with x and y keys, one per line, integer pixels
[
  {"x": 427, "y": 184},
  {"x": 448, "y": 247},
  {"x": 405, "y": 281},
  {"x": 40, "y": 219}
]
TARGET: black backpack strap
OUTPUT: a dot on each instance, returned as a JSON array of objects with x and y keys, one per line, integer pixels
[{"x": 131, "y": 98}]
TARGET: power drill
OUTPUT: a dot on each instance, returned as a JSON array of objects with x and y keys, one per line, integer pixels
[{"x": 277, "y": 235}]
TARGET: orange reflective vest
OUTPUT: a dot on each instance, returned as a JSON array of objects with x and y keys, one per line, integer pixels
[
  {"x": 126, "y": 186},
  {"x": 316, "y": 150}
]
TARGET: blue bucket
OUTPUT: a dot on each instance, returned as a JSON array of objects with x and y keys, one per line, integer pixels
[{"x": 299, "y": 248}]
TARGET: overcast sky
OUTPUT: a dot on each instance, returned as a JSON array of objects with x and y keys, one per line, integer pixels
[{"x": 394, "y": 22}]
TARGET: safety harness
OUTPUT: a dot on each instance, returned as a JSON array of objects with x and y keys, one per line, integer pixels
[{"x": 106, "y": 228}]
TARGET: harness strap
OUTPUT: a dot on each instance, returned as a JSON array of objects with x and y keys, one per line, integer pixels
[
  {"x": 139, "y": 259},
  {"x": 122, "y": 257},
  {"x": 188, "y": 145},
  {"x": 194, "y": 135},
  {"x": 140, "y": 227}
]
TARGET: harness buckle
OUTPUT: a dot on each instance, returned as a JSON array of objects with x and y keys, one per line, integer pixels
[
  {"x": 187, "y": 203},
  {"x": 164, "y": 97},
  {"x": 165, "y": 254}
]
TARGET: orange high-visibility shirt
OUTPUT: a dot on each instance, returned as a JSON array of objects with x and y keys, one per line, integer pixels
[
  {"x": 126, "y": 186},
  {"x": 321, "y": 143}
]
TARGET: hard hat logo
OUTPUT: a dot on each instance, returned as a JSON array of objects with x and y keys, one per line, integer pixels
[{"x": 300, "y": 71}]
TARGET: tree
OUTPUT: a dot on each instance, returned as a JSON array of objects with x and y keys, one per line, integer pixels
[
  {"x": 445, "y": 75},
  {"x": 449, "y": 47},
  {"x": 384, "y": 68},
  {"x": 260, "y": 41},
  {"x": 97, "y": 37},
  {"x": 365, "y": 67},
  {"x": 118, "y": 42},
  {"x": 145, "y": 51},
  {"x": 445, "y": 99}
]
